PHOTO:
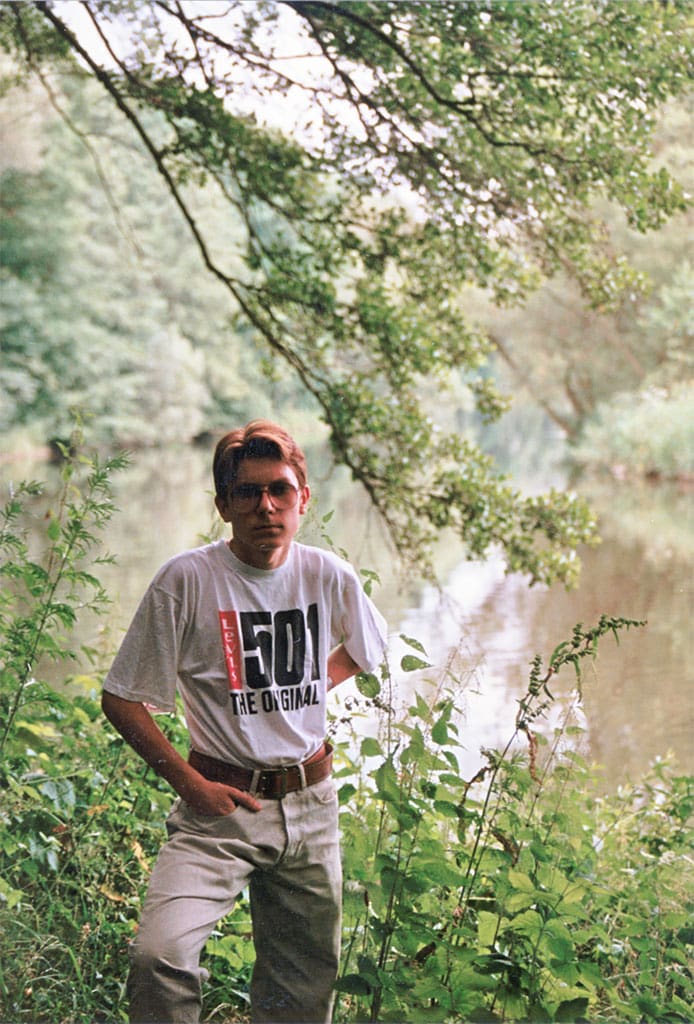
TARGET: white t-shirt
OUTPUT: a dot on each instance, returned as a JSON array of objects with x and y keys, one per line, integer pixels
[{"x": 247, "y": 648}]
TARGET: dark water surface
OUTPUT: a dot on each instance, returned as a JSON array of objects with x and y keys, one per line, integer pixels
[{"x": 482, "y": 625}]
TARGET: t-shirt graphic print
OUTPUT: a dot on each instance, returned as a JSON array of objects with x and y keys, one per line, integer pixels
[{"x": 269, "y": 656}]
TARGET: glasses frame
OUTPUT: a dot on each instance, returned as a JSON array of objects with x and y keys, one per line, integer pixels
[{"x": 251, "y": 502}]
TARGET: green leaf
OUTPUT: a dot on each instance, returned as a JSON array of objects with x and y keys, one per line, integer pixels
[
  {"x": 44, "y": 732},
  {"x": 528, "y": 923},
  {"x": 368, "y": 685},
  {"x": 519, "y": 880},
  {"x": 8, "y": 895},
  {"x": 411, "y": 663},
  {"x": 560, "y": 947},
  {"x": 439, "y": 732},
  {"x": 445, "y": 874},
  {"x": 571, "y": 1011},
  {"x": 53, "y": 530},
  {"x": 487, "y": 927},
  {"x": 483, "y": 1015},
  {"x": 446, "y": 808},
  {"x": 370, "y": 747},
  {"x": 345, "y": 793},
  {"x": 354, "y": 984},
  {"x": 518, "y": 901},
  {"x": 387, "y": 783},
  {"x": 368, "y": 969},
  {"x": 420, "y": 709},
  {"x": 414, "y": 643}
]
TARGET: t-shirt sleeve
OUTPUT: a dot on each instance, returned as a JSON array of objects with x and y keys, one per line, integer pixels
[
  {"x": 362, "y": 628},
  {"x": 145, "y": 668}
]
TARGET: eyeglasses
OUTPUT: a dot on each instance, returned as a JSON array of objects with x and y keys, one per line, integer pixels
[{"x": 246, "y": 497}]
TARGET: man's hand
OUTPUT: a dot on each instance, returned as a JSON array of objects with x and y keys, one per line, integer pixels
[{"x": 215, "y": 799}]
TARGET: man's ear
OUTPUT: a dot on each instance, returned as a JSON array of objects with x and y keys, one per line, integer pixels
[
  {"x": 223, "y": 508},
  {"x": 304, "y": 497}
]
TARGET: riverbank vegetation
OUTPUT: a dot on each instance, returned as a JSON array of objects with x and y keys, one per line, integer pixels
[{"x": 523, "y": 893}]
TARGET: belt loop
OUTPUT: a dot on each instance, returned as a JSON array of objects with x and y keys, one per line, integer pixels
[
  {"x": 255, "y": 779},
  {"x": 302, "y": 776}
]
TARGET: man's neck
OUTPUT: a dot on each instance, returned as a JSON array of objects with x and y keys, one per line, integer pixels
[{"x": 259, "y": 558}]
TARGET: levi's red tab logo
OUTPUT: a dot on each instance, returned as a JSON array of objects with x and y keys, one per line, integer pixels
[{"x": 231, "y": 642}]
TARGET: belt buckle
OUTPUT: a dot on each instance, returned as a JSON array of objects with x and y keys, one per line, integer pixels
[{"x": 283, "y": 783}]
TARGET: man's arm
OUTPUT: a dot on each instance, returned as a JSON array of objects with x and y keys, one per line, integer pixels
[
  {"x": 137, "y": 727},
  {"x": 340, "y": 666}
]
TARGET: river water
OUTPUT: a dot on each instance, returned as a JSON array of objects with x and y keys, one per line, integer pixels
[{"x": 480, "y": 628}]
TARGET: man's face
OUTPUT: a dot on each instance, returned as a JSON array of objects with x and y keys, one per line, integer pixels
[{"x": 263, "y": 532}]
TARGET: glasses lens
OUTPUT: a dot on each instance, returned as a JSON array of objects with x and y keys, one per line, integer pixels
[
  {"x": 246, "y": 497},
  {"x": 283, "y": 494}
]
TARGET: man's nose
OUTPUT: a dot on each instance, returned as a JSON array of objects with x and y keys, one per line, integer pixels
[{"x": 265, "y": 501}]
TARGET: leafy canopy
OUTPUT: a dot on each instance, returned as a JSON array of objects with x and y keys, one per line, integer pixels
[{"x": 379, "y": 156}]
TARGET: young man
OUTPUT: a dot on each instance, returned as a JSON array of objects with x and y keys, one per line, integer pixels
[{"x": 252, "y": 632}]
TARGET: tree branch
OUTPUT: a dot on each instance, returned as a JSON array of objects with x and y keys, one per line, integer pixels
[{"x": 524, "y": 379}]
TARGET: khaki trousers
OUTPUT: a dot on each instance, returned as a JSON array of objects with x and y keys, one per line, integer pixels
[{"x": 288, "y": 855}]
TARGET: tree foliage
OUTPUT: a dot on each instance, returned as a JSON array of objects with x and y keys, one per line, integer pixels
[{"x": 378, "y": 156}]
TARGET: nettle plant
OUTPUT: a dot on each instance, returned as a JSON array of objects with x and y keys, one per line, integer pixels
[
  {"x": 509, "y": 896},
  {"x": 43, "y": 595}
]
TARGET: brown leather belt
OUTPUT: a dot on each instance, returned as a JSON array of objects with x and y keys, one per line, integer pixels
[{"x": 269, "y": 783}]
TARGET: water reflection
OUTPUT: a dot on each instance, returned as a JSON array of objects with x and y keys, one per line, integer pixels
[
  {"x": 482, "y": 625},
  {"x": 638, "y": 698}
]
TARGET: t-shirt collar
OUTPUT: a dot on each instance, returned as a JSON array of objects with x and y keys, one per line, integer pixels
[{"x": 252, "y": 571}]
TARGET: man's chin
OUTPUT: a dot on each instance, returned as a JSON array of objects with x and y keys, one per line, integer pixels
[
  {"x": 271, "y": 537},
  {"x": 266, "y": 540}
]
